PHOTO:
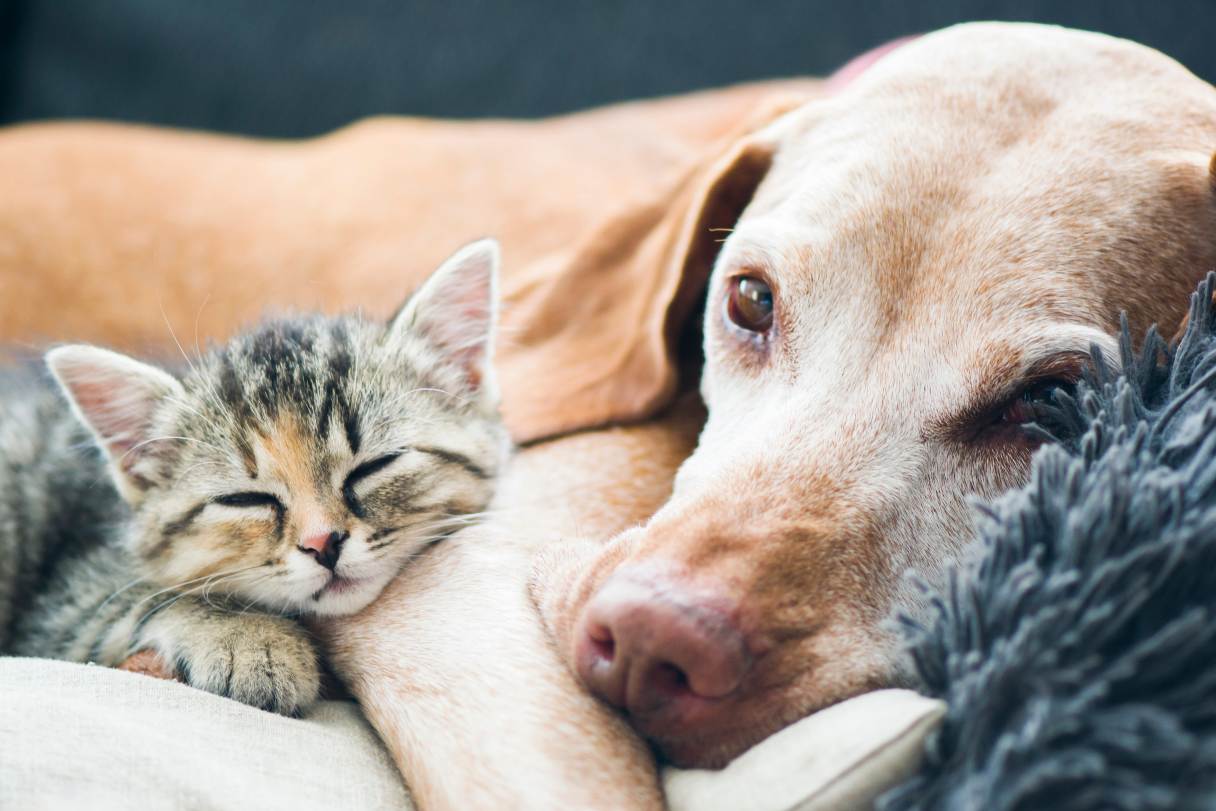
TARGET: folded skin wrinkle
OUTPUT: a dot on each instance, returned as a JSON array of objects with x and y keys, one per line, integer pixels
[{"x": 291, "y": 471}]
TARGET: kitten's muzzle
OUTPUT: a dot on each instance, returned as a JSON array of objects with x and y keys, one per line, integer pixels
[{"x": 325, "y": 547}]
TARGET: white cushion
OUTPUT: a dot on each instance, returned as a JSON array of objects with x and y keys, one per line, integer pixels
[
  {"x": 76, "y": 736},
  {"x": 838, "y": 759}
]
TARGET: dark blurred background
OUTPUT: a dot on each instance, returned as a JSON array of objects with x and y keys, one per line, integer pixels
[{"x": 300, "y": 67}]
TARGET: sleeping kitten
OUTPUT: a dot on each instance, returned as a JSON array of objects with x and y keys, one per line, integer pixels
[{"x": 292, "y": 471}]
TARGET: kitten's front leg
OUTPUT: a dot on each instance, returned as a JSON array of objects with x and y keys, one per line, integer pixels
[
  {"x": 265, "y": 661},
  {"x": 94, "y": 612}
]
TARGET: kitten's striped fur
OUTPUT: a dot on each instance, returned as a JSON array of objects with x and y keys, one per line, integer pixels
[{"x": 189, "y": 533}]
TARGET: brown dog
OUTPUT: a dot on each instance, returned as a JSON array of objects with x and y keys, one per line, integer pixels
[
  {"x": 931, "y": 252},
  {"x": 921, "y": 254}
]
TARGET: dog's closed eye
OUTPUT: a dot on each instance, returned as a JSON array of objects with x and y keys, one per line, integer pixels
[
  {"x": 1019, "y": 410},
  {"x": 1035, "y": 405}
]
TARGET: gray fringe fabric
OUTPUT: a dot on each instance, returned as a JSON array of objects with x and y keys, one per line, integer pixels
[{"x": 1077, "y": 653}]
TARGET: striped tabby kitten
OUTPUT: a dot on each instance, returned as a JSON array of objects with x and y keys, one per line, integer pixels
[{"x": 290, "y": 472}]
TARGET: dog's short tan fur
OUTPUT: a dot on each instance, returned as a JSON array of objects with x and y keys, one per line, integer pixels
[
  {"x": 975, "y": 209},
  {"x": 978, "y": 199},
  {"x": 452, "y": 667},
  {"x": 124, "y": 235}
]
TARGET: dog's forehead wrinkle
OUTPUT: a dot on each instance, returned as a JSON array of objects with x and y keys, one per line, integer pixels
[
  {"x": 1008, "y": 207},
  {"x": 768, "y": 245},
  {"x": 1004, "y": 359},
  {"x": 937, "y": 255}
]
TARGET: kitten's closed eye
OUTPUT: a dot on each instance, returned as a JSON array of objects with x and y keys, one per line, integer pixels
[
  {"x": 368, "y": 468},
  {"x": 361, "y": 472},
  {"x": 249, "y": 499}
]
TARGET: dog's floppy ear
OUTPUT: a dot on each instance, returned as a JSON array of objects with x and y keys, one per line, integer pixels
[
  {"x": 717, "y": 204},
  {"x": 599, "y": 338}
]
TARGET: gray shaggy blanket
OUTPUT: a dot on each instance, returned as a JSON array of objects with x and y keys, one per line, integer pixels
[{"x": 1078, "y": 653}]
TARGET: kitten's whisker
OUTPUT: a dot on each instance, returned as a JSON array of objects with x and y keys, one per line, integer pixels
[
  {"x": 173, "y": 335},
  {"x": 194, "y": 580},
  {"x": 198, "y": 351},
  {"x": 466, "y": 519},
  {"x": 252, "y": 601},
  {"x": 210, "y": 581},
  {"x": 125, "y": 588},
  {"x": 188, "y": 592},
  {"x": 195, "y": 440},
  {"x": 196, "y": 466},
  {"x": 423, "y": 536},
  {"x": 434, "y": 390},
  {"x": 429, "y": 532},
  {"x": 163, "y": 604},
  {"x": 209, "y": 393}
]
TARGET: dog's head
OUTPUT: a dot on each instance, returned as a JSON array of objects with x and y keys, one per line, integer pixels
[{"x": 923, "y": 258}]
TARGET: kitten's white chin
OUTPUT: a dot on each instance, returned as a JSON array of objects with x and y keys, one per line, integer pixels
[{"x": 348, "y": 597}]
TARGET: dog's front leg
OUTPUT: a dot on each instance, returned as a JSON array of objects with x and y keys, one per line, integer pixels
[
  {"x": 453, "y": 666},
  {"x": 455, "y": 672}
]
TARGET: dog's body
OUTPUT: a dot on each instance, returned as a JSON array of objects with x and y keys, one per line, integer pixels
[
  {"x": 952, "y": 230},
  {"x": 138, "y": 238},
  {"x": 494, "y": 694}
]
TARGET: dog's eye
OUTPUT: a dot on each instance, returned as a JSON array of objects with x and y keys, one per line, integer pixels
[
  {"x": 1036, "y": 405},
  {"x": 749, "y": 304}
]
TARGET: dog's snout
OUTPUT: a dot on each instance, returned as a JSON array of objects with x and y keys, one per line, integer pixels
[{"x": 655, "y": 648}]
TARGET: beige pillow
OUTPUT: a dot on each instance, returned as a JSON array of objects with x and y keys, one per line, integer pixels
[
  {"x": 82, "y": 737},
  {"x": 838, "y": 759},
  {"x": 74, "y": 736}
]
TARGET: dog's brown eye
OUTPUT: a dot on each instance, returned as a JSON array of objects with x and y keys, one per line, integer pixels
[
  {"x": 1031, "y": 405},
  {"x": 1036, "y": 415},
  {"x": 749, "y": 303}
]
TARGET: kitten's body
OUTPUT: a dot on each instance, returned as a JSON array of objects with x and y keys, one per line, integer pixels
[
  {"x": 70, "y": 587},
  {"x": 58, "y": 508},
  {"x": 292, "y": 471}
]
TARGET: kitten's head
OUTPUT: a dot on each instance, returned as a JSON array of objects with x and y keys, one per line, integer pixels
[{"x": 299, "y": 465}]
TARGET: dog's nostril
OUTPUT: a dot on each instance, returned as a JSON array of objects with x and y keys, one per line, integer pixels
[
  {"x": 669, "y": 680},
  {"x": 605, "y": 648},
  {"x": 602, "y": 642}
]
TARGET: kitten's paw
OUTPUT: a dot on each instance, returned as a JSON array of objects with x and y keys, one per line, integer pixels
[
  {"x": 148, "y": 663},
  {"x": 264, "y": 661}
]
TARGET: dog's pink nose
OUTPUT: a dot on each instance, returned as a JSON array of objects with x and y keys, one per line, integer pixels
[{"x": 647, "y": 645}]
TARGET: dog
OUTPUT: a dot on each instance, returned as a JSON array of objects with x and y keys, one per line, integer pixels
[
  {"x": 929, "y": 254},
  {"x": 892, "y": 276}
]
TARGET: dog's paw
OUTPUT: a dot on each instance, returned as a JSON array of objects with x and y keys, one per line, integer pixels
[{"x": 264, "y": 661}]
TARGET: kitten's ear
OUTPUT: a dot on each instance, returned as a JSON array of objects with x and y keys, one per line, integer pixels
[
  {"x": 116, "y": 397},
  {"x": 456, "y": 310}
]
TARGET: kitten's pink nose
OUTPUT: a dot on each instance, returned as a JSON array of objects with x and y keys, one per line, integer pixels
[{"x": 325, "y": 547}]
